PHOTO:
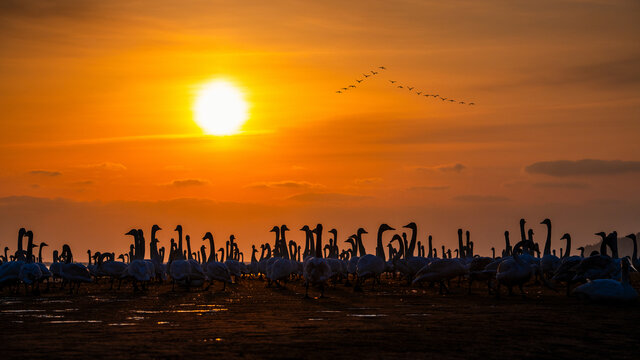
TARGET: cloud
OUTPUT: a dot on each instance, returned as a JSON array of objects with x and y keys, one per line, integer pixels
[
  {"x": 429, "y": 188},
  {"x": 83, "y": 183},
  {"x": 326, "y": 197},
  {"x": 445, "y": 168},
  {"x": 561, "y": 185},
  {"x": 45, "y": 173},
  {"x": 110, "y": 166},
  {"x": 560, "y": 168},
  {"x": 285, "y": 184},
  {"x": 367, "y": 181},
  {"x": 481, "y": 198},
  {"x": 188, "y": 182}
]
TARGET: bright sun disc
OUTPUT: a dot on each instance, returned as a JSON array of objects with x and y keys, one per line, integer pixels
[{"x": 220, "y": 108}]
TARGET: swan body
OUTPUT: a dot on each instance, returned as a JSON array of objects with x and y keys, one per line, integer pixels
[
  {"x": 369, "y": 266},
  {"x": 30, "y": 273},
  {"x": 440, "y": 270},
  {"x": 609, "y": 290},
  {"x": 75, "y": 273}
]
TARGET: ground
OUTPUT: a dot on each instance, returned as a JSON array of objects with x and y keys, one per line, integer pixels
[{"x": 251, "y": 321}]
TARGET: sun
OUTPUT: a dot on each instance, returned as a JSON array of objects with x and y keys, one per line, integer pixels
[{"x": 220, "y": 108}]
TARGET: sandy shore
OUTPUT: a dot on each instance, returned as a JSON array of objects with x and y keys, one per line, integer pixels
[{"x": 251, "y": 321}]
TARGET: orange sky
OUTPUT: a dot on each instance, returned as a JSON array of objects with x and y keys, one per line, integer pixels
[{"x": 97, "y": 131}]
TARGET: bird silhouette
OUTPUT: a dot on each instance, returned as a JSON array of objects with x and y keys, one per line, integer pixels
[
  {"x": 345, "y": 88},
  {"x": 462, "y": 102},
  {"x": 472, "y": 103},
  {"x": 392, "y": 81},
  {"x": 418, "y": 92},
  {"x": 339, "y": 92},
  {"x": 365, "y": 75},
  {"x": 359, "y": 81},
  {"x": 382, "y": 68},
  {"x": 400, "y": 87},
  {"x": 410, "y": 88},
  {"x": 352, "y": 86},
  {"x": 373, "y": 72}
]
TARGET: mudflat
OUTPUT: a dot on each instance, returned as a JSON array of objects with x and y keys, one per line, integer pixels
[{"x": 249, "y": 320}]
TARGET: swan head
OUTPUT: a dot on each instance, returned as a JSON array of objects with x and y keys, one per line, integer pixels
[
  {"x": 601, "y": 234},
  {"x": 546, "y": 222},
  {"x": 632, "y": 236},
  {"x": 178, "y": 228},
  {"x": 363, "y": 231},
  {"x": 275, "y": 229},
  {"x": 566, "y": 236},
  {"x": 155, "y": 227},
  {"x": 207, "y": 236},
  {"x": 42, "y": 244},
  {"x": 522, "y": 222},
  {"x": 411, "y": 225},
  {"x": 232, "y": 237},
  {"x": 385, "y": 227},
  {"x": 334, "y": 232},
  {"x": 132, "y": 232},
  {"x": 284, "y": 228}
]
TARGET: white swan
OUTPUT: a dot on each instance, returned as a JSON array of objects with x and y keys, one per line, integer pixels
[
  {"x": 514, "y": 271},
  {"x": 373, "y": 265},
  {"x": 609, "y": 290},
  {"x": 316, "y": 270},
  {"x": 549, "y": 263},
  {"x": 215, "y": 270},
  {"x": 440, "y": 270}
]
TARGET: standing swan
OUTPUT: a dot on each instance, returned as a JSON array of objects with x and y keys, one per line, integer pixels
[
  {"x": 609, "y": 290},
  {"x": 315, "y": 270}
]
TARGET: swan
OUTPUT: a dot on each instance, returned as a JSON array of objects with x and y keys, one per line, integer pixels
[
  {"x": 234, "y": 266},
  {"x": 139, "y": 270},
  {"x": 316, "y": 270},
  {"x": 10, "y": 270},
  {"x": 566, "y": 271},
  {"x": 634, "y": 258},
  {"x": 30, "y": 272},
  {"x": 600, "y": 266},
  {"x": 372, "y": 265},
  {"x": 72, "y": 272},
  {"x": 46, "y": 274},
  {"x": 215, "y": 270},
  {"x": 440, "y": 270},
  {"x": 609, "y": 290},
  {"x": 281, "y": 267},
  {"x": 549, "y": 263},
  {"x": 514, "y": 271},
  {"x": 115, "y": 270}
]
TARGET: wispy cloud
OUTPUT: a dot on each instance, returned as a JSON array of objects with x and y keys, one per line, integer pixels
[
  {"x": 561, "y": 185},
  {"x": 481, "y": 198},
  {"x": 188, "y": 182},
  {"x": 445, "y": 168},
  {"x": 429, "y": 188},
  {"x": 285, "y": 184},
  {"x": 45, "y": 173},
  {"x": 110, "y": 166},
  {"x": 367, "y": 181},
  {"x": 326, "y": 197},
  {"x": 560, "y": 168}
]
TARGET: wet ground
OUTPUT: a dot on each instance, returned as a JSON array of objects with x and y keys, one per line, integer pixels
[{"x": 251, "y": 321}]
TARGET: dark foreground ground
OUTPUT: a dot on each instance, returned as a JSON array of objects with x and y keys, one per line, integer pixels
[{"x": 251, "y": 321}]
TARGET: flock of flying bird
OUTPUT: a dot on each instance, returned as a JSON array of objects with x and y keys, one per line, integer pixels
[
  {"x": 395, "y": 83},
  {"x": 601, "y": 276}
]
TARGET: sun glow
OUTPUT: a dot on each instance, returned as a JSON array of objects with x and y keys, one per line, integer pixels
[{"x": 220, "y": 108}]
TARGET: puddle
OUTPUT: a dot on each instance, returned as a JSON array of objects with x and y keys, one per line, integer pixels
[
  {"x": 329, "y": 311},
  {"x": 19, "y": 311},
  {"x": 73, "y": 321},
  {"x": 122, "y": 324},
  {"x": 212, "y": 340},
  {"x": 44, "y": 301},
  {"x": 163, "y": 323},
  {"x": 316, "y": 319},
  {"x": 419, "y": 314},
  {"x": 47, "y": 316},
  {"x": 136, "y": 318},
  {"x": 147, "y": 311},
  {"x": 367, "y": 315},
  {"x": 363, "y": 308},
  {"x": 65, "y": 310}
]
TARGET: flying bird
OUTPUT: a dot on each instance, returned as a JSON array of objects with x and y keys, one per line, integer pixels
[
  {"x": 374, "y": 73},
  {"x": 410, "y": 88},
  {"x": 352, "y": 86},
  {"x": 359, "y": 81},
  {"x": 345, "y": 88},
  {"x": 392, "y": 81},
  {"x": 400, "y": 87},
  {"x": 472, "y": 103},
  {"x": 365, "y": 75},
  {"x": 339, "y": 92},
  {"x": 382, "y": 68},
  {"x": 451, "y": 100},
  {"x": 462, "y": 102},
  {"x": 419, "y": 92}
]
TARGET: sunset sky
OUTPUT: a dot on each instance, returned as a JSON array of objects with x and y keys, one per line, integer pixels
[{"x": 98, "y": 133}]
